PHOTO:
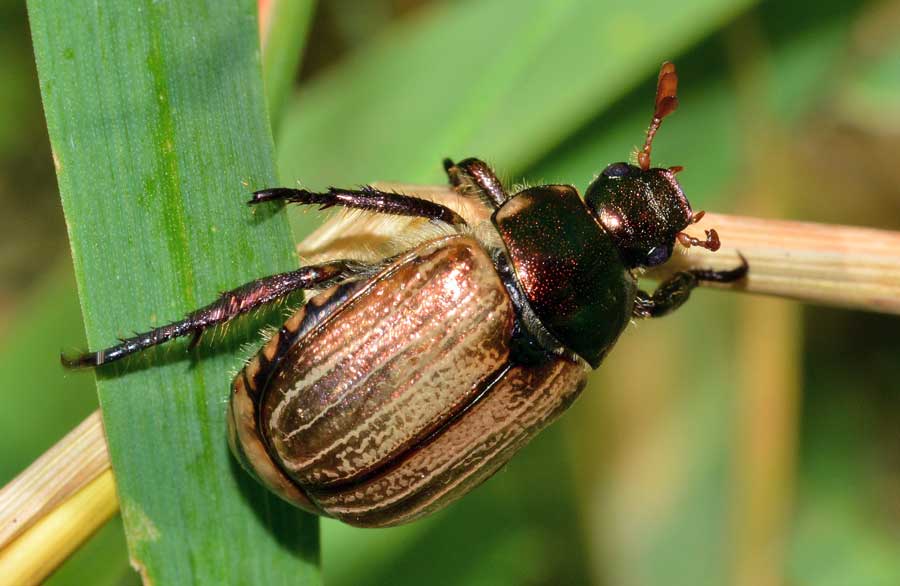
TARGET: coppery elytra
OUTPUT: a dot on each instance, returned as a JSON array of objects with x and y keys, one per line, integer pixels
[{"x": 406, "y": 382}]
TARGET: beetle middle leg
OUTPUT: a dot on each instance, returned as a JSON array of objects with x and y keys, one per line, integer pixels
[
  {"x": 230, "y": 305},
  {"x": 475, "y": 175},
  {"x": 366, "y": 198},
  {"x": 674, "y": 291}
]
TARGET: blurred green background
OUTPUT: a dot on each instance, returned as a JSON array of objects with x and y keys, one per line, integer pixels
[{"x": 740, "y": 441}]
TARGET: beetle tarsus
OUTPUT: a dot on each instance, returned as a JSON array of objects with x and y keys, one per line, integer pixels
[
  {"x": 79, "y": 361},
  {"x": 366, "y": 198},
  {"x": 727, "y": 276},
  {"x": 674, "y": 291},
  {"x": 475, "y": 175}
]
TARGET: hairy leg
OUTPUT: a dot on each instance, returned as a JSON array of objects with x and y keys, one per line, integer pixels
[
  {"x": 228, "y": 306},
  {"x": 366, "y": 198}
]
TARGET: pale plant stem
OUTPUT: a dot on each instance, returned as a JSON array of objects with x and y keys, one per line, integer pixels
[
  {"x": 63, "y": 470},
  {"x": 823, "y": 264},
  {"x": 39, "y": 550},
  {"x": 56, "y": 505}
]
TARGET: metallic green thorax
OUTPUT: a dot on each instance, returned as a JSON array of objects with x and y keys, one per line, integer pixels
[{"x": 568, "y": 268}]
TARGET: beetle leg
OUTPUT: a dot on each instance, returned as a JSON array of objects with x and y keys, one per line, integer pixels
[
  {"x": 228, "y": 306},
  {"x": 674, "y": 291},
  {"x": 473, "y": 174},
  {"x": 366, "y": 198}
]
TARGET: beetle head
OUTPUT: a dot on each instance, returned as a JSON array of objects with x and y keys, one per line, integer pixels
[{"x": 644, "y": 209}]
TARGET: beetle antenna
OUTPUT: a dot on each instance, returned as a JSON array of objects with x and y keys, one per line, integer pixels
[{"x": 666, "y": 102}]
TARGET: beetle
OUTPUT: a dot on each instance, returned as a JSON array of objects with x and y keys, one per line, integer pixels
[{"x": 406, "y": 382}]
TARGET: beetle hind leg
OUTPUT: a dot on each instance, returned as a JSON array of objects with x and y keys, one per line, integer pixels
[
  {"x": 228, "y": 306},
  {"x": 674, "y": 291}
]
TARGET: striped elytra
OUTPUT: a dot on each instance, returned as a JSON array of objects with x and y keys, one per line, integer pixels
[{"x": 383, "y": 400}]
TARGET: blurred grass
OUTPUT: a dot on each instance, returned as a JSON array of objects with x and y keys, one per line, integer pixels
[
  {"x": 449, "y": 81},
  {"x": 635, "y": 486},
  {"x": 160, "y": 173},
  {"x": 55, "y": 402},
  {"x": 284, "y": 30}
]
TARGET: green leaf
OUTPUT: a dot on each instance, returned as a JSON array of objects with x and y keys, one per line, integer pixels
[{"x": 157, "y": 120}]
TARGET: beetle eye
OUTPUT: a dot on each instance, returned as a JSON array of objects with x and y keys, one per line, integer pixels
[
  {"x": 658, "y": 255},
  {"x": 617, "y": 170}
]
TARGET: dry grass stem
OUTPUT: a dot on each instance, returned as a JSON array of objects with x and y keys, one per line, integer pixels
[
  {"x": 60, "y": 472},
  {"x": 817, "y": 263},
  {"x": 39, "y": 550}
]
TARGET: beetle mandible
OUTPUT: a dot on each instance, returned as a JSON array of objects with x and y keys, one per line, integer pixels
[{"x": 406, "y": 382}]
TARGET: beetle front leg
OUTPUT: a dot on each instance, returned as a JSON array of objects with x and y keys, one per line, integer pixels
[
  {"x": 228, "y": 306},
  {"x": 473, "y": 174},
  {"x": 366, "y": 198},
  {"x": 674, "y": 291}
]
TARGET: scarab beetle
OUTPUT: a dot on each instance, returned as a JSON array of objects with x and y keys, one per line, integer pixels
[{"x": 404, "y": 383}]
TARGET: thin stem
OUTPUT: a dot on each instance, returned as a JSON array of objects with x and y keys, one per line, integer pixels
[
  {"x": 816, "y": 263},
  {"x": 39, "y": 550},
  {"x": 827, "y": 264},
  {"x": 74, "y": 461}
]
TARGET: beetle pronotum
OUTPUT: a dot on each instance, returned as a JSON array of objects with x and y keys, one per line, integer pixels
[{"x": 407, "y": 381}]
